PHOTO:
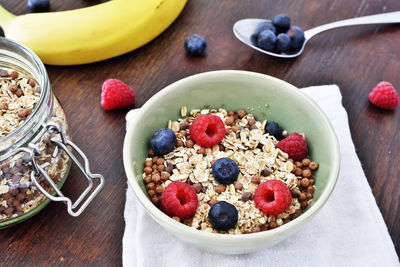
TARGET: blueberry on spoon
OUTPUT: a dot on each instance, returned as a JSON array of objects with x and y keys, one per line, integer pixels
[
  {"x": 281, "y": 22},
  {"x": 282, "y": 43},
  {"x": 297, "y": 38},
  {"x": 266, "y": 40},
  {"x": 265, "y": 25}
]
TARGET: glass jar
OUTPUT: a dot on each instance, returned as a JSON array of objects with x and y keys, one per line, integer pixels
[{"x": 35, "y": 149}]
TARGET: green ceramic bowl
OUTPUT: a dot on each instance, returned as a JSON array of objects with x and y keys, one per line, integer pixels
[{"x": 235, "y": 90}]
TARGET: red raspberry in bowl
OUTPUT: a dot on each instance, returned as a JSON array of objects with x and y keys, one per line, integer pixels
[
  {"x": 207, "y": 130},
  {"x": 384, "y": 96},
  {"x": 179, "y": 199},
  {"x": 295, "y": 145},
  {"x": 272, "y": 197}
]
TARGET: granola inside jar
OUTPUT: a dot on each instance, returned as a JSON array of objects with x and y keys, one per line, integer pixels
[{"x": 26, "y": 106}]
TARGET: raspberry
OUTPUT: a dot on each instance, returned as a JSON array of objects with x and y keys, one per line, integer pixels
[
  {"x": 116, "y": 94},
  {"x": 295, "y": 146},
  {"x": 207, "y": 130},
  {"x": 179, "y": 199},
  {"x": 384, "y": 96},
  {"x": 272, "y": 197}
]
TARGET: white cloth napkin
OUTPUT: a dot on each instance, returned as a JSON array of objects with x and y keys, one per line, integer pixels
[{"x": 348, "y": 231}]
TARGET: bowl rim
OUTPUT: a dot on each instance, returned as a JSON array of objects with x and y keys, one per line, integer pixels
[{"x": 166, "y": 221}]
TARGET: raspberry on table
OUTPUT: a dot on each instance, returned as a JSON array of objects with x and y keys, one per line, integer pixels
[
  {"x": 115, "y": 94},
  {"x": 384, "y": 95},
  {"x": 295, "y": 145},
  {"x": 179, "y": 199},
  {"x": 272, "y": 197},
  {"x": 207, "y": 130}
]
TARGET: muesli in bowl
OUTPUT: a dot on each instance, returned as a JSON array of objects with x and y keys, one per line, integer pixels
[{"x": 227, "y": 172}]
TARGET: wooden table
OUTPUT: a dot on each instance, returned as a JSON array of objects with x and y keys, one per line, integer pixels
[{"x": 355, "y": 58}]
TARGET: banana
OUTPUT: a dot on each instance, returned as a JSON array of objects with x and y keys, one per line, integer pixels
[{"x": 93, "y": 33}]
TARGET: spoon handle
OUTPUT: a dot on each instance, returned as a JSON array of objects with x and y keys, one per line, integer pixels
[{"x": 391, "y": 17}]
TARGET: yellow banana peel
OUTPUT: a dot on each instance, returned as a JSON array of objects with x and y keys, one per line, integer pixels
[{"x": 93, "y": 33}]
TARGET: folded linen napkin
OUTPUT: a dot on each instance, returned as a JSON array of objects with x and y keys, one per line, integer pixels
[{"x": 348, "y": 231}]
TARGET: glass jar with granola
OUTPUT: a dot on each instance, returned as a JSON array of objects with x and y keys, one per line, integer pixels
[{"x": 35, "y": 148}]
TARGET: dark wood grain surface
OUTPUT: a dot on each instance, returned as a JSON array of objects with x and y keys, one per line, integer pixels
[{"x": 354, "y": 58}]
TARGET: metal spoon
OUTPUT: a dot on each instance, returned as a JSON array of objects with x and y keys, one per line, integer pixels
[{"x": 244, "y": 28}]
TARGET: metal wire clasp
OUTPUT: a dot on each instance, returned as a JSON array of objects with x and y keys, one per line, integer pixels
[{"x": 37, "y": 170}]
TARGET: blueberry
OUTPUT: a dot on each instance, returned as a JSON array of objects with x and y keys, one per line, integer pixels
[
  {"x": 39, "y": 5},
  {"x": 223, "y": 216},
  {"x": 265, "y": 25},
  {"x": 266, "y": 40},
  {"x": 225, "y": 171},
  {"x": 281, "y": 22},
  {"x": 282, "y": 43},
  {"x": 296, "y": 35},
  {"x": 274, "y": 129},
  {"x": 163, "y": 141},
  {"x": 195, "y": 45},
  {"x": 253, "y": 39},
  {"x": 262, "y": 26}
]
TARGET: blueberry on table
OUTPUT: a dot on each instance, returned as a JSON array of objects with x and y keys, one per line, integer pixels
[
  {"x": 262, "y": 26},
  {"x": 266, "y": 40},
  {"x": 195, "y": 45},
  {"x": 163, "y": 141},
  {"x": 223, "y": 216},
  {"x": 225, "y": 171},
  {"x": 281, "y": 22},
  {"x": 297, "y": 38},
  {"x": 282, "y": 43},
  {"x": 39, "y": 5},
  {"x": 274, "y": 129}
]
